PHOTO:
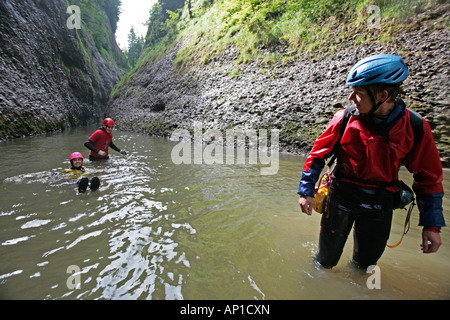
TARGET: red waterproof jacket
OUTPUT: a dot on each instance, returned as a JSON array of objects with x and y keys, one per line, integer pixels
[
  {"x": 375, "y": 154},
  {"x": 100, "y": 140}
]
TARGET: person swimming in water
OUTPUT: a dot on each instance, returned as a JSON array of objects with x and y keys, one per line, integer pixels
[{"x": 77, "y": 170}]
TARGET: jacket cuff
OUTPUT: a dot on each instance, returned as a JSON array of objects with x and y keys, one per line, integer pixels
[
  {"x": 430, "y": 208},
  {"x": 432, "y": 229},
  {"x": 310, "y": 177}
]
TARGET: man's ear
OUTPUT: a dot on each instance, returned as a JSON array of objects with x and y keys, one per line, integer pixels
[{"x": 384, "y": 95}]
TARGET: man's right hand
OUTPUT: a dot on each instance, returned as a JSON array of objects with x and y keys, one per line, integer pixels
[
  {"x": 431, "y": 241},
  {"x": 306, "y": 204}
]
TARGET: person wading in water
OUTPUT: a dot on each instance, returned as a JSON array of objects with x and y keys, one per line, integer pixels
[
  {"x": 101, "y": 140},
  {"x": 377, "y": 139}
]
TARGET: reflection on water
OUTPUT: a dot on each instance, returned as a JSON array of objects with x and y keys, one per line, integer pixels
[{"x": 155, "y": 230}]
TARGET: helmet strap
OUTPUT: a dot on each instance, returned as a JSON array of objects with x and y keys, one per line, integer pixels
[{"x": 376, "y": 104}]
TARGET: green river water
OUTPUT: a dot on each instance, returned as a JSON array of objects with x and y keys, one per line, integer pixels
[{"x": 159, "y": 230}]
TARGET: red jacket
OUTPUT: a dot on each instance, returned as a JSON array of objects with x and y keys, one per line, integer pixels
[
  {"x": 367, "y": 154},
  {"x": 100, "y": 140}
]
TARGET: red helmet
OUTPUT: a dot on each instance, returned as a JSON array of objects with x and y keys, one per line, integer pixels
[
  {"x": 108, "y": 122},
  {"x": 75, "y": 155}
]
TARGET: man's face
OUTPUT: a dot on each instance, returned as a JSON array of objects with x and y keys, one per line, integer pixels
[
  {"x": 361, "y": 99},
  {"x": 108, "y": 129}
]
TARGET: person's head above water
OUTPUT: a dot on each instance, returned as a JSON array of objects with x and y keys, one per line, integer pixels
[
  {"x": 76, "y": 159},
  {"x": 108, "y": 125}
]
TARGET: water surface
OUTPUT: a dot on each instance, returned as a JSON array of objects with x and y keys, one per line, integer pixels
[{"x": 156, "y": 230}]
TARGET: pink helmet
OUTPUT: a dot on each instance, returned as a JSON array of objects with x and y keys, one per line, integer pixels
[
  {"x": 75, "y": 155},
  {"x": 108, "y": 122}
]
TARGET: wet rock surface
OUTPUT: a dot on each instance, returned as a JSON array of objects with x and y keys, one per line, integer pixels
[
  {"x": 298, "y": 98},
  {"x": 51, "y": 77}
]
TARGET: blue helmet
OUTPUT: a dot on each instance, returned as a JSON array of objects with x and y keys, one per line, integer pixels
[{"x": 379, "y": 68}]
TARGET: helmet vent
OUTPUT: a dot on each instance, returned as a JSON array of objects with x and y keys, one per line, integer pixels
[
  {"x": 373, "y": 77},
  {"x": 356, "y": 79},
  {"x": 390, "y": 75},
  {"x": 397, "y": 76}
]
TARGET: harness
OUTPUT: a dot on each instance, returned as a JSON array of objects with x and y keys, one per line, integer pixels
[
  {"x": 404, "y": 195},
  {"x": 416, "y": 125}
]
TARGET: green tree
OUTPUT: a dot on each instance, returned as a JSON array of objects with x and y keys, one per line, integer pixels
[
  {"x": 171, "y": 22},
  {"x": 112, "y": 9},
  {"x": 135, "y": 45},
  {"x": 163, "y": 20},
  {"x": 156, "y": 26}
]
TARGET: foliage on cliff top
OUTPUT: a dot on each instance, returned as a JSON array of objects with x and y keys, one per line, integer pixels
[
  {"x": 257, "y": 27},
  {"x": 268, "y": 31}
]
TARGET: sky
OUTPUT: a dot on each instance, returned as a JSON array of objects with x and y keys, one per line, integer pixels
[{"x": 134, "y": 13}]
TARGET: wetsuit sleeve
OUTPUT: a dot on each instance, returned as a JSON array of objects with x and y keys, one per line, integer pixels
[
  {"x": 91, "y": 140},
  {"x": 315, "y": 161},
  {"x": 88, "y": 144},
  {"x": 424, "y": 162},
  {"x": 114, "y": 147}
]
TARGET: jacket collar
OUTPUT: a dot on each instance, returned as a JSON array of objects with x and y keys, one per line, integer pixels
[{"x": 396, "y": 114}]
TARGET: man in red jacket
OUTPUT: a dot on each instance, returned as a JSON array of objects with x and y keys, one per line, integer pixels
[
  {"x": 377, "y": 139},
  {"x": 100, "y": 140}
]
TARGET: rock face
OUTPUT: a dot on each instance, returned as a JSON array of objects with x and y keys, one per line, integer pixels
[
  {"x": 298, "y": 98},
  {"x": 51, "y": 76}
]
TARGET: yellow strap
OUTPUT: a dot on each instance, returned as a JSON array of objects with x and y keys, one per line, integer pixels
[
  {"x": 406, "y": 226},
  {"x": 395, "y": 245}
]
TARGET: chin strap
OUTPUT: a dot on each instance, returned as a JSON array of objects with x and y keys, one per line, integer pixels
[{"x": 375, "y": 104}]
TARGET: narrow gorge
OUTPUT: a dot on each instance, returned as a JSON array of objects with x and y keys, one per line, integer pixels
[
  {"x": 55, "y": 72},
  {"x": 53, "y": 77}
]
